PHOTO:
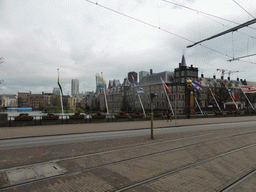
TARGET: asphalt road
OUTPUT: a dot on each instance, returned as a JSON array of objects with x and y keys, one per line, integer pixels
[{"x": 74, "y": 138}]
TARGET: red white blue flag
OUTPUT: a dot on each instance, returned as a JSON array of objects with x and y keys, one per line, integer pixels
[{"x": 248, "y": 89}]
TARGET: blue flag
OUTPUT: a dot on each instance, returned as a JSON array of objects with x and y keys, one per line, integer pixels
[
  {"x": 197, "y": 85},
  {"x": 138, "y": 88}
]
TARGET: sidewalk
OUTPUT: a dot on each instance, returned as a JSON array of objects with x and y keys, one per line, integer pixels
[{"x": 46, "y": 130}]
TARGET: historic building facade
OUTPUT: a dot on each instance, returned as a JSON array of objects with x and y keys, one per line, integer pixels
[{"x": 182, "y": 98}]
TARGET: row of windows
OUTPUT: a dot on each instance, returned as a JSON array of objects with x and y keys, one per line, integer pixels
[{"x": 189, "y": 73}]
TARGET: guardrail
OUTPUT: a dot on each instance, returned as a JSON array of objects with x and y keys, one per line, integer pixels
[{"x": 65, "y": 119}]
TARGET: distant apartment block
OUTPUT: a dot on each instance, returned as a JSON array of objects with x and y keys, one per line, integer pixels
[
  {"x": 132, "y": 75},
  {"x": 24, "y": 99},
  {"x": 74, "y": 86},
  {"x": 9, "y": 100}
]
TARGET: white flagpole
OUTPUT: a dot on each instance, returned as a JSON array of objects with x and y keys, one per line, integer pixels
[
  {"x": 61, "y": 98},
  {"x": 61, "y": 103},
  {"x": 140, "y": 99},
  {"x": 141, "y": 105},
  {"x": 198, "y": 105},
  {"x": 233, "y": 100},
  {"x": 215, "y": 100},
  {"x": 248, "y": 100},
  {"x": 104, "y": 92},
  {"x": 167, "y": 96},
  {"x": 106, "y": 99},
  {"x": 231, "y": 97}
]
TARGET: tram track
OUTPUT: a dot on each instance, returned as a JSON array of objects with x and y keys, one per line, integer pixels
[
  {"x": 140, "y": 145},
  {"x": 224, "y": 189},
  {"x": 129, "y": 159},
  {"x": 233, "y": 183}
]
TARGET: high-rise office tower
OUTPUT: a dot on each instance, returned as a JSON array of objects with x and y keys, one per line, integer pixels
[{"x": 74, "y": 86}]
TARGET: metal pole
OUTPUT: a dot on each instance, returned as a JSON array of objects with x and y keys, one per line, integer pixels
[
  {"x": 248, "y": 100},
  {"x": 141, "y": 104},
  {"x": 198, "y": 106},
  {"x": 106, "y": 99},
  {"x": 215, "y": 100},
  {"x": 152, "y": 137}
]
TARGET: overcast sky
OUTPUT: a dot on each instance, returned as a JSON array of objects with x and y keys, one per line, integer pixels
[{"x": 83, "y": 39}]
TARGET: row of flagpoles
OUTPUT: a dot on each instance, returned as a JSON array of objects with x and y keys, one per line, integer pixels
[{"x": 197, "y": 85}]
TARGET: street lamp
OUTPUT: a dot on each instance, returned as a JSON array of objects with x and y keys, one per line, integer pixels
[
  {"x": 152, "y": 95},
  {"x": 189, "y": 82}
]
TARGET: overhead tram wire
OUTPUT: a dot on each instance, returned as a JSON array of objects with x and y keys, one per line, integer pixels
[
  {"x": 229, "y": 27},
  {"x": 241, "y": 57},
  {"x": 243, "y": 9},
  {"x": 198, "y": 11},
  {"x": 151, "y": 25},
  {"x": 225, "y": 32}
]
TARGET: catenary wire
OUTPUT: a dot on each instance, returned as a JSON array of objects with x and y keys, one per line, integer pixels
[
  {"x": 243, "y": 9},
  {"x": 151, "y": 25},
  {"x": 198, "y": 11}
]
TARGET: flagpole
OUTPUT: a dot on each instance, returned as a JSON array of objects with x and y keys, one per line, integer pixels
[
  {"x": 248, "y": 100},
  {"x": 139, "y": 98},
  {"x": 141, "y": 105},
  {"x": 61, "y": 97},
  {"x": 233, "y": 100},
  {"x": 105, "y": 93},
  {"x": 106, "y": 99},
  {"x": 198, "y": 105},
  {"x": 215, "y": 100},
  {"x": 167, "y": 95},
  {"x": 231, "y": 97}
]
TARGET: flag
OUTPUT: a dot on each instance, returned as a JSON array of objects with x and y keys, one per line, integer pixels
[
  {"x": 139, "y": 89},
  {"x": 231, "y": 93},
  {"x": 59, "y": 84},
  {"x": 105, "y": 87},
  {"x": 248, "y": 89},
  {"x": 214, "y": 93},
  {"x": 197, "y": 85},
  {"x": 165, "y": 86}
]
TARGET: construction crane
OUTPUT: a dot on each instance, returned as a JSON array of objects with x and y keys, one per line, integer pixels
[{"x": 225, "y": 71}]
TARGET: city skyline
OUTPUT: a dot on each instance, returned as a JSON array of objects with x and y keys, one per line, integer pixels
[{"x": 83, "y": 39}]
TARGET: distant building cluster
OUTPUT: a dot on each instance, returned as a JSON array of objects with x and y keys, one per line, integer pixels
[{"x": 123, "y": 96}]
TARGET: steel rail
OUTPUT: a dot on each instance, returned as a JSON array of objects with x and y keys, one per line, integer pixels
[{"x": 124, "y": 160}]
